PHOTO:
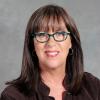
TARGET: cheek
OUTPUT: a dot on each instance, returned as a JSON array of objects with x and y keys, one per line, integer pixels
[
  {"x": 66, "y": 45},
  {"x": 38, "y": 49},
  {"x": 65, "y": 50}
]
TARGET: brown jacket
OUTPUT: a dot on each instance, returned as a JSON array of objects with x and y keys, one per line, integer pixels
[{"x": 90, "y": 91}]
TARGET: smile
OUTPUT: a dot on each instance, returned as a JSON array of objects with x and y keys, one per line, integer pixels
[{"x": 51, "y": 53}]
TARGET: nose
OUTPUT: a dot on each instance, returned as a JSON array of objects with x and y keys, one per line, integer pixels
[{"x": 51, "y": 42}]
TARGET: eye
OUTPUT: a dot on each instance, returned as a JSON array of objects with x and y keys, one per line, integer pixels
[
  {"x": 62, "y": 33},
  {"x": 41, "y": 34}
]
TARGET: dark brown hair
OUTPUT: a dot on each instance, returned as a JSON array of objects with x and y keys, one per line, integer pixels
[{"x": 30, "y": 73}]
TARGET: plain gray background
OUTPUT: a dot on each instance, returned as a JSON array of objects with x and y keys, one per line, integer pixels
[{"x": 14, "y": 15}]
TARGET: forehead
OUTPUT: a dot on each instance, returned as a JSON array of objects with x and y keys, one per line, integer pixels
[{"x": 51, "y": 23}]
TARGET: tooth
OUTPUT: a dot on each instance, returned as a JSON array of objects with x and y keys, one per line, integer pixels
[{"x": 52, "y": 53}]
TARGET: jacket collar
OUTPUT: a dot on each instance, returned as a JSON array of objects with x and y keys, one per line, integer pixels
[{"x": 45, "y": 90}]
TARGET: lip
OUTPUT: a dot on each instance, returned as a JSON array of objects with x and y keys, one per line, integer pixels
[{"x": 50, "y": 53}]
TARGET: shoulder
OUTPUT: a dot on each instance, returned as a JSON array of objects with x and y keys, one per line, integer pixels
[
  {"x": 91, "y": 85},
  {"x": 91, "y": 79},
  {"x": 12, "y": 93}
]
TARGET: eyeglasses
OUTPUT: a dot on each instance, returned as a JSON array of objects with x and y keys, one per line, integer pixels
[{"x": 43, "y": 37}]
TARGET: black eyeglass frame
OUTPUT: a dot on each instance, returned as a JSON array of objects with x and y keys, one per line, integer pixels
[{"x": 51, "y": 35}]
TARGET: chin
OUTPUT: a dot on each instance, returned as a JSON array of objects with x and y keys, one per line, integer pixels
[{"x": 53, "y": 65}]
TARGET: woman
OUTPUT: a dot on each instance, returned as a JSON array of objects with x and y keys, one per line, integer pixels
[{"x": 52, "y": 65}]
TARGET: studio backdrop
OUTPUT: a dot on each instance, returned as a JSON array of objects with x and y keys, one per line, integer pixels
[{"x": 14, "y": 15}]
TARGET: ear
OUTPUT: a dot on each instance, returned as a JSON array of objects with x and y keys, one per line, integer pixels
[{"x": 70, "y": 46}]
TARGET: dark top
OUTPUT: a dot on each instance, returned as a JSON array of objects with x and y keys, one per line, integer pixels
[{"x": 90, "y": 91}]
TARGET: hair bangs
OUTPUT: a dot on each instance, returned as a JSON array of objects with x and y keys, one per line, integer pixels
[{"x": 48, "y": 21}]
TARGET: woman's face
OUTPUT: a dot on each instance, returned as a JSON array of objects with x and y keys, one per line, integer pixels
[{"x": 53, "y": 54}]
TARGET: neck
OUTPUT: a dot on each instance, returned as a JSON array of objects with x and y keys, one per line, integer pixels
[{"x": 53, "y": 76}]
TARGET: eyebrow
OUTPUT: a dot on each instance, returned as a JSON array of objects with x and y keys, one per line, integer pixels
[{"x": 60, "y": 29}]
